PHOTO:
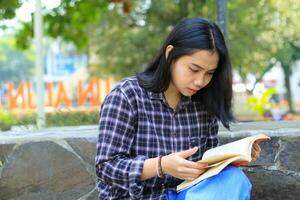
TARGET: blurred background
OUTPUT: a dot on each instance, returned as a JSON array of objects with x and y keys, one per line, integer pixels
[{"x": 87, "y": 46}]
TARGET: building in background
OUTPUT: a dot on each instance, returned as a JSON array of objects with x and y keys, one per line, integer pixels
[{"x": 63, "y": 63}]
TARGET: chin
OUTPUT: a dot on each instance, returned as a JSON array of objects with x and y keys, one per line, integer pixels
[{"x": 187, "y": 94}]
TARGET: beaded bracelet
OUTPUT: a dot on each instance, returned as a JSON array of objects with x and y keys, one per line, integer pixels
[{"x": 159, "y": 171}]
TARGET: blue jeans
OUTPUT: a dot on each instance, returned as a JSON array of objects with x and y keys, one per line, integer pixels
[{"x": 230, "y": 184}]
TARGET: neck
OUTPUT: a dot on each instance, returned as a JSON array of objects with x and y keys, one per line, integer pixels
[{"x": 172, "y": 96}]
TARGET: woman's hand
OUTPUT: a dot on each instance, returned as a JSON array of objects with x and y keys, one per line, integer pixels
[
  {"x": 255, "y": 152},
  {"x": 176, "y": 165}
]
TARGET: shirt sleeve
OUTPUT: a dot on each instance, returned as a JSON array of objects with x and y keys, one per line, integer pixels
[
  {"x": 212, "y": 140},
  {"x": 115, "y": 164}
]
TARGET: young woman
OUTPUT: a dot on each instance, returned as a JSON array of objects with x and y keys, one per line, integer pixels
[{"x": 154, "y": 126}]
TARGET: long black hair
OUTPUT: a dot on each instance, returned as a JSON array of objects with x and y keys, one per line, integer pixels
[{"x": 188, "y": 36}]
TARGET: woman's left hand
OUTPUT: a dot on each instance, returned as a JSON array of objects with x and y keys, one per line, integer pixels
[{"x": 255, "y": 152}]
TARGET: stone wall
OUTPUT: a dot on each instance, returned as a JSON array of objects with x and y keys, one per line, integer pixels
[
  {"x": 58, "y": 163},
  {"x": 276, "y": 174}
]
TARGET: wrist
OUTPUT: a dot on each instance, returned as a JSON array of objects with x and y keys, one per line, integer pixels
[
  {"x": 159, "y": 169},
  {"x": 164, "y": 164}
]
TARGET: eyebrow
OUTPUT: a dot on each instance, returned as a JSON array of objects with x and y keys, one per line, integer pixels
[{"x": 196, "y": 65}]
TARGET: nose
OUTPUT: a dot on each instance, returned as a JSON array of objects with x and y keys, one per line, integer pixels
[{"x": 199, "y": 81}]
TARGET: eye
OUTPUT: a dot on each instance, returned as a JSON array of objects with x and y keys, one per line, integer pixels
[
  {"x": 210, "y": 73},
  {"x": 193, "y": 70}
]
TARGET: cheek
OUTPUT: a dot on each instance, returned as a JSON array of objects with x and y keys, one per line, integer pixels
[
  {"x": 180, "y": 74},
  {"x": 208, "y": 79}
]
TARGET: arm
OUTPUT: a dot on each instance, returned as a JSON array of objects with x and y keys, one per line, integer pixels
[
  {"x": 114, "y": 162},
  {"x": 176, "y": 165},
  {"x": 149, "y": 169}
]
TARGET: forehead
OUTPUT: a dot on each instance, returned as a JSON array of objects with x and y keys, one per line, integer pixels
[{"x": 203, "y": 58}]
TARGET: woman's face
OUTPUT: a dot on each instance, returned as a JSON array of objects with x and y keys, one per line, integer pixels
[{"x": 191, "y": 73}]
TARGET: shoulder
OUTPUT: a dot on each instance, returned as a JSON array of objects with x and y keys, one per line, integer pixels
[
  {"x": 128, "y": 90},
  {"x": 129, "y": 84},
  {"x": 129, "y": 87}
]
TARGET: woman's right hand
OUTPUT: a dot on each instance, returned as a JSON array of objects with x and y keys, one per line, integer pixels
[{"x": 176, "y": 165}]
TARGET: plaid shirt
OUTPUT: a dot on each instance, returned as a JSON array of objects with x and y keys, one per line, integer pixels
[{"x": 135, "y": 125}]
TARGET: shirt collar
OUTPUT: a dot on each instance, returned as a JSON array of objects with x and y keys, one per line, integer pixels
[
  {"x": 160, "y": 96},
  {"x": 156, "y": 96}
]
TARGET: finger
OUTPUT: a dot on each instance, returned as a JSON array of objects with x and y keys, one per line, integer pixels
[
  {"x": 191, "y": 175},
  {"x": 186, "y": 178},
  {"x": 254, "y": 147},
  {"x": 195, "y": 165},
  {"x": 189, "y": 178},
  {"x": 257, "y": 147},
  {"x": 190, "y": 172},
  {"x": 188, "y": 153},
  {"x": 255, "y": 156},
  {"x": 255, "y": 153}
]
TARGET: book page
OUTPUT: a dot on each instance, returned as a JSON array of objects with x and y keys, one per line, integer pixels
[
  {"x": 212, "y": 160},
  {"x": 241, "y": 147},
  {"x": 256, "y": 138},
  {"x": 209, "y": 173},
  {"x": 236, "y": 153}
]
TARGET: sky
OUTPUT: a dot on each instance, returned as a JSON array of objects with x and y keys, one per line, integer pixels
[{"x": 24, "y": 14}]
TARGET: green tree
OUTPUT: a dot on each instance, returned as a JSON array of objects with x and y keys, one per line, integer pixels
[
  {"x": 14, "y": 64},
  {"x": 72, "y": 20},
  {"x": 127, "y": 42},
  {"x": 249, "y": 32},
  {"x": 263, "y": 33},
  {"x": 287, "y": 41},
  {"x": 120, "y": 42},
  {"x": 103, "y": 29},
  {"x": 8, "y": 8}
]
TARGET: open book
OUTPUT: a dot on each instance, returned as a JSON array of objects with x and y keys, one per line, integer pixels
[{"x": 236, "y": 153}]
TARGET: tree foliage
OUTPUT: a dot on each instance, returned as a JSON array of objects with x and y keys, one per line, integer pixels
[
  {"x": 122, "y": 41},
  {"x": 122, "y": 36},
  {"x": 8, "y": 8},
  {"x": 14, "y": 64},
  {"x": 287, "y": 40},
  {"x": 72, "y": 20},
  {"x": 127, "y": 42}
]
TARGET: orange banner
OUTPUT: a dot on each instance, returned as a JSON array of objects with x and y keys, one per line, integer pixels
[{"x": 58, "y": 95}]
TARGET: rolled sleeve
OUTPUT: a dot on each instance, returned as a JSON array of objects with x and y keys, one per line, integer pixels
[
  {"x": 135, "y": 184},
  {"x": 115, "y": 163}
]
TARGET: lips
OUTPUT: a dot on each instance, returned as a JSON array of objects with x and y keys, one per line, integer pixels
[{"x": 192, "y": 90}]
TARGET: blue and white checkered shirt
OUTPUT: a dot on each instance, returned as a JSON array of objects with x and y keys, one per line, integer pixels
[{"x": 135, "y": 125}]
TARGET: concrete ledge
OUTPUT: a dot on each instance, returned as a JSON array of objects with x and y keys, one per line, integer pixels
[{"x": 58, "y": 163}]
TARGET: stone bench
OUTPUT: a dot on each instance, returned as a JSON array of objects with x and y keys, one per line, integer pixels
[{"x": 58, "y": 163}]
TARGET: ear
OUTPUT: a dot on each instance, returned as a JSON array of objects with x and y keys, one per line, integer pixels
[{"x": 168, "y": 50}]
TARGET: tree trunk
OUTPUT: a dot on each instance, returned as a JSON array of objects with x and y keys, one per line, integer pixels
[
  {"x": 287, "y": 84},
  {"x": 260, "y": 77},
  {"x": 222, "y": 17}
]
